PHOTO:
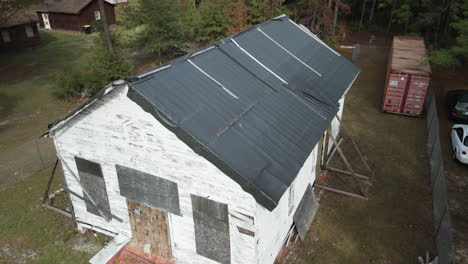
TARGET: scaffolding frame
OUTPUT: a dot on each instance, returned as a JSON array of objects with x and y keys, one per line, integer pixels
[{"x": 362, "y": 180}]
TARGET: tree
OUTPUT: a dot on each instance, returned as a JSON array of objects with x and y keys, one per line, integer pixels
[
  {"x": 458, "y": 53},
  {"x": 214, "y": 23},
  {"x": 362, "y": 14},
  {"x": 238, "y": 13},
  {"x": 371, "y": 16},
  {"x": 335, "y": 18},
  {"x": 261, "y": 10},
  {"x": 162, "y": 22}
]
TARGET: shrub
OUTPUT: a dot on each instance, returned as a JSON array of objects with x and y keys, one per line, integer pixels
[
  {"x": 73, "y": 82},
  {"x": 444, "y": 58}
]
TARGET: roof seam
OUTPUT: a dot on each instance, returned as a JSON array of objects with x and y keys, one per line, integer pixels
[
  {"x": 290, "y": 53},
  {"x": 257, "y": 61},
  {"x": 213, "y": 79}
]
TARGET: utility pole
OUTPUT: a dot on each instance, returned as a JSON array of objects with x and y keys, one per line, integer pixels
[{"x": 105, "y": 26}]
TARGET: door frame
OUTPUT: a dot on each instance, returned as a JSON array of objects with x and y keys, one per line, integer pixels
[{"x": 45, "y": 17}]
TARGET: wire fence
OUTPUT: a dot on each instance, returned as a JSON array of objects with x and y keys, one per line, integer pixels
[
  {"x": 25, "y": 160},
  {"x": 442, "y": 223}
]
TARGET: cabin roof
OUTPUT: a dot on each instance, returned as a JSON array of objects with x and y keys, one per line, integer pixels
[
  {"x": 64, "y": 6},
  {"x": 19, "y": 17},
  {"x": 254, "y": 104}
]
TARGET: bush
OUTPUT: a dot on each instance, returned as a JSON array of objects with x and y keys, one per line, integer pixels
[
  {"x": 104, "y": 67},
  {"x": 73, "y": 82},
  {"x": 444, "y": 58}
]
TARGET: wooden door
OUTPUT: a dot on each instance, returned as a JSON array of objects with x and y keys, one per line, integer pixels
[
  {"x": 149, "y": 229},
  {"x": 45, "y": 18}
]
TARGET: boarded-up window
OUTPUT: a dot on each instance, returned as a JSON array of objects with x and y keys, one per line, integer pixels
[
  {"x": 148, "y": 189},
  {"x": 305, "y": 212},
  {"x": 93, "y": 182},
  {"x": 211, "y": 229}
]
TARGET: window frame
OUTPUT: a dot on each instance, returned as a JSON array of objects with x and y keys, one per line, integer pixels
[
  {"x": 91, "y": 175},
  {"x": 6, "y": 36},
  {"x": 29, "y": 28},
  {"x": 97, "y": 15}
]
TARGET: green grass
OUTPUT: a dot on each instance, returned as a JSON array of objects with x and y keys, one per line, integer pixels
[
  {"x": 30, "y": 233},
  {"x": 27, "y": 79}
]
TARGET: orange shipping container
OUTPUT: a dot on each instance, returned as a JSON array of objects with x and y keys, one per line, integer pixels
[{"x": 408, "y": 77}]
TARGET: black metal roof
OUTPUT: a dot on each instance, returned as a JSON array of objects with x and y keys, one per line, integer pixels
[{"x": 254, "y": 104}]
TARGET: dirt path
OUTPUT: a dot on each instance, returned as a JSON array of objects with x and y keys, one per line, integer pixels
[{"x": 395, "y": 225}]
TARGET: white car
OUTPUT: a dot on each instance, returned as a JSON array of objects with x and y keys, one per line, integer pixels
[{"x": 459, "y": 138}]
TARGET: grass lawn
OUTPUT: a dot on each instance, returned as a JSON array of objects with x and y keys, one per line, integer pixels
[
  {"x": 27, "y": 105},
  {"x": 26, "y": 84},
  {"x": 30, "y": 233}
]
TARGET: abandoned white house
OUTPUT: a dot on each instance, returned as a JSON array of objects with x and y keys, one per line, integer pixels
[{"x": 212, "y": 157}]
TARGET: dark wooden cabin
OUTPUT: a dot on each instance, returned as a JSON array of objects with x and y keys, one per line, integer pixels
[
  {"x": 72, "y": 15},
  {"x": 19, "y": 30}
]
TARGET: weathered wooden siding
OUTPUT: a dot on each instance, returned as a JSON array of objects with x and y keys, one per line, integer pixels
[
  {"x": 115, "y": 130},
  {"x": 272, "y": 227},
  {"x": 75, "y": 22},
  {"x": 19, "y": 38}
]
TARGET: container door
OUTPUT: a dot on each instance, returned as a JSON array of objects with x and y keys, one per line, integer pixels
[
  {"x": 394, "y": 92},
  {"x": 416, "y": 95}
]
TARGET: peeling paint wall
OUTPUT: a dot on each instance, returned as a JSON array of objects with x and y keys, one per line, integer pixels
[
  {"x": 115, "y": 130},
  {"x": 272, "y": 227}
]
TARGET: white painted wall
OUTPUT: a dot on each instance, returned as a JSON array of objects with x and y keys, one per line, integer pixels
[
  {"x": 115, "y": 130},
  {"x": 272, "y": 227},
  {"x": 335, "y": 124}
]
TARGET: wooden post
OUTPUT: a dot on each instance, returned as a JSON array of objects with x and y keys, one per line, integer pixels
[
  {"x": 340, "y": 192},
  {"x": 49, "y": 183},
  {"x": 357, "y": 149},
  {"x": 39, "y": 154},
  {"x": 345, "y": 160},
  {"x": 325, "y": 153}
]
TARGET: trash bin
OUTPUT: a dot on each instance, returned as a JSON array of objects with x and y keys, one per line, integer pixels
[{"x": 87, "y": 29}]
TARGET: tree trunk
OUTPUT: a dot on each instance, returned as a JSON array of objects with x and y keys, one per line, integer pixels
[
  {"x": 362, "y": 14},
  {"x": 371, "y": 16},
  {"x": 391, "y": 16},
  {"x": 105, "y": 26},
  {"x": 445, "y": 27},
  {"x": 330, "y": 3},
  {"x": 314, "y": 16},
  {"x": 335, "y": 18}
]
